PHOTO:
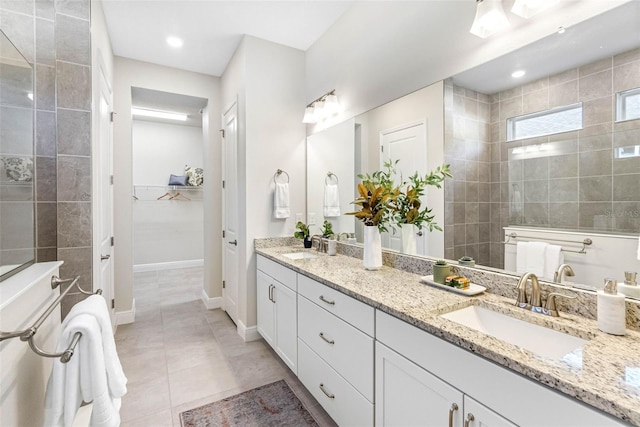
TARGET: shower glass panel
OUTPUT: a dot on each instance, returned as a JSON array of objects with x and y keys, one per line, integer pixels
[{"x": 17, "y": 223}]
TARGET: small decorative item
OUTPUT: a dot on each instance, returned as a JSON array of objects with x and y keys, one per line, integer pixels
[
  {"x": 195, "y": 176},
  {"x": 303, "y": 233},
  {"x": 372, "y": 257},
  {"x": 467, "y": 261},
  {"x": 408, "y": 232},
  {"x": 180, "y": 180},
  {"x": 441, "y": 269}
]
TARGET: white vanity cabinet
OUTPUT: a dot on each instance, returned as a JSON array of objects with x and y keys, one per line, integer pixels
[
  {"x": 494, "y": 395},
  {"x": 336, "y": 345},
  {"x": 277, "y": 309}
]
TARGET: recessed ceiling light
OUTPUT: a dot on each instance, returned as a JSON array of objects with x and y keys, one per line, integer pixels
[
  {"x": 518, "y": 74},
  {"x": 159, "y": 114},
  {"x": 174, "y": 41}
]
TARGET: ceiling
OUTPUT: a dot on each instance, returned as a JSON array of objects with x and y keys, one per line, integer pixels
[{"x": 212, "y": 29}]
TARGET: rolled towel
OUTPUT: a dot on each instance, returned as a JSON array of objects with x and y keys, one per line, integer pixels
[
  {"x": 281, "y": 200},
  {"x": 331, "y": 200}
]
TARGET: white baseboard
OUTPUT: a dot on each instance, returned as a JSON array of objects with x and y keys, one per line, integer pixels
[
  {"x": 126, "y": 317},
  {"x": 248, "y": 333},
  {"x": 168, "y": 265},
  {"x": 211, "y": 303}
]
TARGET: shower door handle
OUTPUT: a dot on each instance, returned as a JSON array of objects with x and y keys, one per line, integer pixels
[{"x": 234, "y": 243}]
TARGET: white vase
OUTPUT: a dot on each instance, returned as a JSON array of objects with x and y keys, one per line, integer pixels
[
  {"x": 372, "y": 258},
  {"x": 408, "y": 239}
]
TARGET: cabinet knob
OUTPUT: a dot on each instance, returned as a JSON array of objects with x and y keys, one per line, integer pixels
[
  {"x": 329, "y": 395},
  {"x": 454, "y": 408},
  {"x": 470, "y": 418},
  {"x": 328, "y": 341}
]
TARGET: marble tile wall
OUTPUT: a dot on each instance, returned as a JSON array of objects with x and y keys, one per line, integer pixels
[
  {"x": 55, "y": 36},
  {"x": 467, "y": 150}
]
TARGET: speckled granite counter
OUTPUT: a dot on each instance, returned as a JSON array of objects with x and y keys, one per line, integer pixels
[{"x": 606, "y": 376}]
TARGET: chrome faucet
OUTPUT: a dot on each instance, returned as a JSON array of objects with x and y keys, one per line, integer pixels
[
  {"x": 346, "y": 235},
  {"x": 535, "y": 302},
  {"x": 564, "y": 269},
  {"x": 317, "y": 237}
]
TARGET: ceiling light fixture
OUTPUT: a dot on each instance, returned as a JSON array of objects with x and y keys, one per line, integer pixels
[
  {"x": 325, "y": 106},
  {"x": 159, "y": 114},
  {"x": 528, "y": 8},
  {"x": 490, "y": 18},
  {"x": 174, "y": 41},
  {"x": 517, "y": 74}
]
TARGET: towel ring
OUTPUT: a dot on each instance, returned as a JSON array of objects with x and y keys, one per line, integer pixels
[
  {"x": 278, "y": 173},
  {"x": 329, "y": 175}
]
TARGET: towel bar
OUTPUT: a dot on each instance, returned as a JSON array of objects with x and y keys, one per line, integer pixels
[
  {"x": 586, "y": 242},
  {"x": 29, "y": 333}
]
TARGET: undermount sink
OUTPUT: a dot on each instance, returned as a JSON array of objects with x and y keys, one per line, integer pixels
[
  {"x": 538, "y": 339},
  {"x": 299, "y": 255}
]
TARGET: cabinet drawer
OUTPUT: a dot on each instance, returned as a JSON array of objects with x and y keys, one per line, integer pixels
[
  {"x": 345, "y": 348},
  {"x": 346, "y": 406},
  {"x": 277, "y": 271},
  {"x": 348, "y": 309}
]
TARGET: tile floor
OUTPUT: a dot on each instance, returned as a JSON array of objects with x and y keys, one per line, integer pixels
[{"x": 178, "y": 355}]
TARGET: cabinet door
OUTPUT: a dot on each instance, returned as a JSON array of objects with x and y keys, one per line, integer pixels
[
  {"x": 266, "y": 308},
  {"x": 407, "y": 395},
  {"x": 478, "y": 415},
  {"x": 286, "y": 317}
]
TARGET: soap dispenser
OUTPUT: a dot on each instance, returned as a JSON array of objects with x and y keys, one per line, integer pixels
[{"x": 611, "y": 309}]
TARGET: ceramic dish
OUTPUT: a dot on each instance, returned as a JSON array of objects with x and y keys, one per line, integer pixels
[{"x": 473, "y": 289}]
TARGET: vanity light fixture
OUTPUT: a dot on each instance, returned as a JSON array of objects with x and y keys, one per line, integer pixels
[
  {"x": 159, "y": 114},
  {"x": 490, "y": 18},
  {"x": 174, "y": 41},
  {"x": 528, "y": 8},
  {"x": 517, "y": 74},
  {"x": 321, "y": 108}
]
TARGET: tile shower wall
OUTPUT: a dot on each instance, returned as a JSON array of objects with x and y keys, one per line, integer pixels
[
  {"x": 55, "y": 36},
  {"x": 468, "y": 151}
]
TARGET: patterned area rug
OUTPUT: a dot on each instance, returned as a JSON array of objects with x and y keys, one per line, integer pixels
[{"x": 273, "y": 404}]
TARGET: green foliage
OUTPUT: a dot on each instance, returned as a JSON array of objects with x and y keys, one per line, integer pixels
[
  {"x": 303, "y": 230},
  {"x": 327, "y": 229},
  {"x": 441, "y": 262}
]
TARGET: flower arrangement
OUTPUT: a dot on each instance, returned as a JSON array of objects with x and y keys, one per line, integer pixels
[{"x": 376, "y": 200}]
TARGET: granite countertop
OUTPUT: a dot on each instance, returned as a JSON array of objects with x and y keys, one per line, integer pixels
[{"x": 606, "y": 376}]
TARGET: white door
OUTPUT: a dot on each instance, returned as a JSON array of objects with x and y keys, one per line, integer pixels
[
  {"x": 104, "y": 198},
  {"x": 409, "y": 145},
  {"x": 407, "y": 395},
  {"x": 230, "y": 213}
]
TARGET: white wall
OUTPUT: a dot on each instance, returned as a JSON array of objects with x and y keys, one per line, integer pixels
[
  {"x": 268, "y": 81},
  {"x": 130, "y": 73},
  {"x": 166, "y": 231},
  {"x": 380, "y": 51},
  {"x": 332, "y": 150}
]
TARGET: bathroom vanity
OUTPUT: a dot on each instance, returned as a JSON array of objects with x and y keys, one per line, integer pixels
[{"x": 373, "y": 348}]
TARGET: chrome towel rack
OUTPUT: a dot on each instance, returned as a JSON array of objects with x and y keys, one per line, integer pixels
[
  {"x": 586, "y": 242},
  {"x": 29, "y": 333}
]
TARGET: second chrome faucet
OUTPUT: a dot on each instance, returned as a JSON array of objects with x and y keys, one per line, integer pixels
[{"x": 534, "y": 303}]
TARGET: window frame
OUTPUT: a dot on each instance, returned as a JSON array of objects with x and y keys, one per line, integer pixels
[
  {"x": 511, "y": 122},
  {"x": 620, "y": 105}
]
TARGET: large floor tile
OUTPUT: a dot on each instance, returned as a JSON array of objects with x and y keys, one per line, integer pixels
[
  {"x": 199, "y": 381},
  {"x": 158, "y": 419},
  {"x": 145, "y": 398}
]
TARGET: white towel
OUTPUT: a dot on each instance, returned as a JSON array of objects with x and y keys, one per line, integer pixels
[
  {"x": 93, "y": 374},
  {"x": 530, "y": 257},
  {"x": 553, "y": 258},
  {"x": 281, "y": 200},
  {"x": 331, "y": 200}
]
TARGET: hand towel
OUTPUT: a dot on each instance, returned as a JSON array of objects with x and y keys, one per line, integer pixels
[
  {"x": 331, "y": 200},
  {"x": 93, "y": 374},
  {"x": 281, "y": 200},
  {"x": 530, "y": 257},
  {"x": 553, "y": 259}
]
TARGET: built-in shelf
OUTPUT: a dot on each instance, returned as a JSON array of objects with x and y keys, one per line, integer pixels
[{"x": 167, "y": 192}]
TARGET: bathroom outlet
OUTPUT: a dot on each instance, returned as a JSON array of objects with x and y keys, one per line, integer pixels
[
  {"x": 299, "y": 217},
  {"x": 312, "y": 218}
]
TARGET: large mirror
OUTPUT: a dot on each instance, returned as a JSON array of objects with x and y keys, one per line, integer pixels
[
  {"x": 17, "y": 224},
  {"x": 524, "y": 170}
]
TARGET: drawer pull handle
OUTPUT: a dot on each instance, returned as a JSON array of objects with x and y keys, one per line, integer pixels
[
  {"x": 327, "y": 301},
  {"x": 470, "y": 418},
  {"x": 328, "y": 341},
  {"x": 329, "y": 395},
  {"x": 454, "y": 407}
]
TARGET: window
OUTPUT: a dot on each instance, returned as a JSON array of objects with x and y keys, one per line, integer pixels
[
  {"x": 547, "y": 122},
  {"x": 628, "y": 105}
]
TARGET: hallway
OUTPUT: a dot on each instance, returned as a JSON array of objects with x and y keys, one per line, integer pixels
[{"x": 178, "y": 355}]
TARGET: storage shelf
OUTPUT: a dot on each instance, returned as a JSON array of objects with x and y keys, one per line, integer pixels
[{"x": 168, "y": 187}]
